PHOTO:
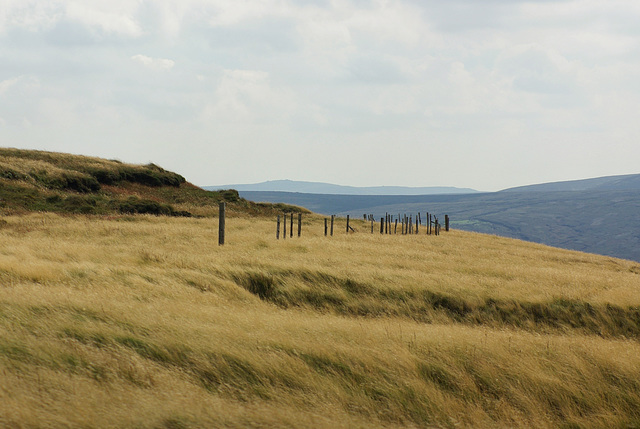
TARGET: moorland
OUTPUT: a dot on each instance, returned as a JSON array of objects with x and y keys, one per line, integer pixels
[
  {"x": 111, "y": 317},
  {"x": 596, "y": 216}
]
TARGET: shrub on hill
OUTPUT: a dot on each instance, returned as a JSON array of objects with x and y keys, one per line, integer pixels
[
  {"x": 148, "y": 175},
  {"x": 7, "y": 172},
  {"x": 135, "y": 205},
  {"x": 69, "y": 180}
]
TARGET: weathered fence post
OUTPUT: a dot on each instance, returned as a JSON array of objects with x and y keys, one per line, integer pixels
[
  {"x": 386, "y": 223},
  {"x": 291, "y": 229},
  {"x": 299, "y": 224},
  {"x": 332, "y": 217},
  {"x": 278, "y": 229},
  {"x": 446, "y": 223},
  {"x": 371, "y": 217},
  {"x": 347, "y": 224},
  {"x": 381, "y": 225},
  {"x": 395, "y": 229},
  {"x": 326, "y": 226},
  {"x": 284, "y": 227},
  {"x": 364, "y": 217},
  {"x": 222, "y": 216},
  {"x": 417, "y": 222}
]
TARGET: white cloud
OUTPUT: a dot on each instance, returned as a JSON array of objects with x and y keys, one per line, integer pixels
[
  {"x": 154, "y": 63},
  {"x": 347, "y": 75},
  {"x": 246, "y": 95},
  {"x": 112, "y": 17},
  {"x": 31, "y": 15},
  {"x": 6, "y": 84}
]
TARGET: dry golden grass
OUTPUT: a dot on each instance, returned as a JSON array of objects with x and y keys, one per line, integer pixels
[{"x": 147, "y": 322}]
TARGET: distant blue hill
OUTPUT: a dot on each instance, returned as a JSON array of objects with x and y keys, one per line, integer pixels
[
  {"x": 328, "y": 188},
  {"x": 600, "y": 215},
  {"x": 609, "y": 183}
]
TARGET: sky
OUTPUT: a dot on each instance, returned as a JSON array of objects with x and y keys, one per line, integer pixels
[{"x": 486, "y": 94}]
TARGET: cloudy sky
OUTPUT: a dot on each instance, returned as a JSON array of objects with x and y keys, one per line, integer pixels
[{"x": 485, "y": 94}]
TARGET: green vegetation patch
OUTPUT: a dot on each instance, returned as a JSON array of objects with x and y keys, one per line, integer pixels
[
  {"x": 325, "y": 292},
  {"x": 57, "y": 182},
  {"x": 13, "y": 351},
  {"x": 80, "y": 173},
  {"x": 136, "y": 205}
]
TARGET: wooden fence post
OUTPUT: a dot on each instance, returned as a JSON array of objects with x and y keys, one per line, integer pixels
[
  {"x": 395, "y": 229},
  {"x": 278, "y": 229},
  {"x": 381, "y": 225},
  {"x": 291, "y": 229},
  {"x": 446, "y": 223},
  {"x": 417, "y": 222},
  {"x": 371, "y": 224},
  {"x": 221, "y": 222},
  {"x": 299, "y": 224},
  {"x": 347, "y": 224},
  {"x": 332, "y": 216},
  {"x": 284, "y": 227},
  {"x": 325, "y": 226}
]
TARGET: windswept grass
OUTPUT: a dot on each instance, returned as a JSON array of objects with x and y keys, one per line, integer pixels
[
  {"x": 143, "y": 321},
  {"x": 56, "y": 182}
]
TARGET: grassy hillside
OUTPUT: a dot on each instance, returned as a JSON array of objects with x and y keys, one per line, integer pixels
[
  {"x": 594, "y": 221},
  {"x": 47, "y": 181},
  {"x": 144, "y": 321}
]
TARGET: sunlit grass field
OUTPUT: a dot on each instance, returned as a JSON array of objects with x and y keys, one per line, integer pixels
[{"x": 143, "y": 321}]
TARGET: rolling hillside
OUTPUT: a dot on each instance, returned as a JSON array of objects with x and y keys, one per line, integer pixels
[
  {"x": 116, "y": 318},
  {"x": 144, "y": 321},
  {"x": 627, "y": 182},
  {"x": 598, "y": 216},
  {"x": 63, "y": 183}
]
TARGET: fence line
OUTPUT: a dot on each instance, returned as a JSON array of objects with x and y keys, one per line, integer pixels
[{"x": 388, "y": 224}]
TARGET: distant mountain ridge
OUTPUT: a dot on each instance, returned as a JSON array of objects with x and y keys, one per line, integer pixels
[
  {"x": 600, "y": 215},
  {"x": 329, "y": 188},
  {"x": 608, "y": 183}
]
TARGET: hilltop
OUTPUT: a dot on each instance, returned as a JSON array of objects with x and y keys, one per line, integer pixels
[
  {"x": 627, "y": 182},
  {"x": 33, "y": 180}
]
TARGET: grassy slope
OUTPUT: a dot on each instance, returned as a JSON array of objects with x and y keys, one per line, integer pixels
[
  {"x": 594, "y": 221},
  {"x": 146, "y": 322},
  {"x": 48, "y": 181},
  {"x": 114, "y": 320}
]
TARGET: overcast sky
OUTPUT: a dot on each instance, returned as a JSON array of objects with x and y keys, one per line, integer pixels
[{"x": 470, "y": 93}]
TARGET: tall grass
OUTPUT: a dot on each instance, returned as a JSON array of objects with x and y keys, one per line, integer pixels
[
  {"x": 147, "y": 322},
  {"x": 56, "y": 182}
]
